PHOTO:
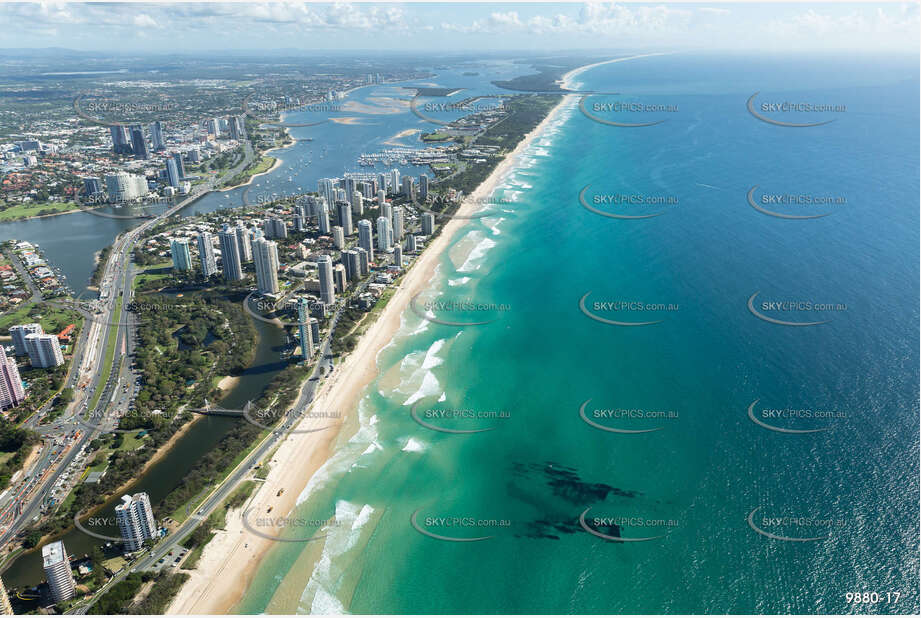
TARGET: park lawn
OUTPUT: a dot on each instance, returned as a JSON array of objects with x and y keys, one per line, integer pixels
[
  {"x": 131, "y": 442},
  {"x": 53, "y": 319},
  {"x": 23, "y": 211},
  {"x": 17, "y": 316},
  {"x": 154, "y": 272}
]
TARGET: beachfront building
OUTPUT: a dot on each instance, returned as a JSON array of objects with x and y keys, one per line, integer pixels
[
  {"x": 182, "y": 257},
  {"x": 57, "y": 572},
  {"x": 398, "y": 256},
  {"x": 305, "y": 333},
  {"x": 135, "y": 520},
  {"x": 265, "y": 256},
  {"x": 44, "y": 350}
]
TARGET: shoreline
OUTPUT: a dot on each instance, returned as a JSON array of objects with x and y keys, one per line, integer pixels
[
  {"x": 275, "y": 166},
  {"x": 51, "y": 214},
  {"x": 566, "y": 81},
  {"x": 232, "y": 558}
]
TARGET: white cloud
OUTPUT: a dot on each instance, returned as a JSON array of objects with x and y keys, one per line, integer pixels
[{"x": 145, "y": 21}]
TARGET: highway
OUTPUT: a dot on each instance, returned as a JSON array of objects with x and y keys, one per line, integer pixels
[
  {"x": 220, "y": 493},
  {"x": 88, "y": 360}
]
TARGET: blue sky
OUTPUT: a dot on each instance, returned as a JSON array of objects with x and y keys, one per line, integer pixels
[{"x": 189, "y": 27}]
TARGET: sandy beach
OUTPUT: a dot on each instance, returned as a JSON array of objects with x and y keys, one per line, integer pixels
[
  {"x": 566, "y": 82},
  {"x": 229, "y": 562}
]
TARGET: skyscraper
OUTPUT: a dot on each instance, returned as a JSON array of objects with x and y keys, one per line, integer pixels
[
  {"x": 338, "y": 237},
  {"x": 408, "y": 187},
  {"x": 325, "y": 273},
  {"x": 276, "y": 228},
  {"x": 206, "y": 254},
  {"x": 244, "y": 242},
  {"x": 365, "y": 240},
  {"x": 423, "y": 187},
  {"x": 237, "y": 131},
  {"x": 394, "y": 181},
  {"x": 363, "y": 262},
  {"x": 428, "y": 224},
  {"x": 397, "y": 224},
  {"x": 123, "y": 187},
  {"x": 172, "y": 172},
  {"x": 156, "y": 135},
  {"x": 411, "y": 243},
  {"x": 344, "y": 212},
  {"x": 265, "y": 257},
  {"x": 11, "y": 391},
  {"x": 358, "y": 203},
  {"x": 19, "y": 333},
  {"x": 398, "y": 256},
  {"x": 138, "y": 143},
  {"x": 326, "y": 189},
  {"x": 387, "y": 211},
  {"x": 44, "y": 350},
  {"x": 230, "y": 254},
  {"x": 384, "y": 235},
  {"x": 135, "y": 521},
  {"x": 92, "y": 186},
  {"x": 323, "y": 221},
  {"x": 352, "y": 263},
  {"x": 315, "y": 330},
  {"x": 120, "y": 141},
  {"x": 180, "y": 167},
  {"x": 182, "y": 257},
  {"x": 57, "y": 571},
  {"x": 304, "y": 331},
  {"x": 339, "y": 278}
]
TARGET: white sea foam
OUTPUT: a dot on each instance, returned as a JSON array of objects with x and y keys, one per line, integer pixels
[
  {"x": 414, "y": 445},
  {"x": 457, "y": 282},
  {"x": 339, "y": 540},
  {"x": 428, "y": 388},
  {"x": 475, "y": 258},
  {"x": 342, "y": 460}
]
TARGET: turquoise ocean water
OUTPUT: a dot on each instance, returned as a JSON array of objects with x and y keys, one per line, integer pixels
[{"x": 728, "y": 504}]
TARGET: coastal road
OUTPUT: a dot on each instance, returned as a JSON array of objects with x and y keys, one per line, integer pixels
[
  {"x": 220, "y": 493},
  {"x": 116, "y": 275}
]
